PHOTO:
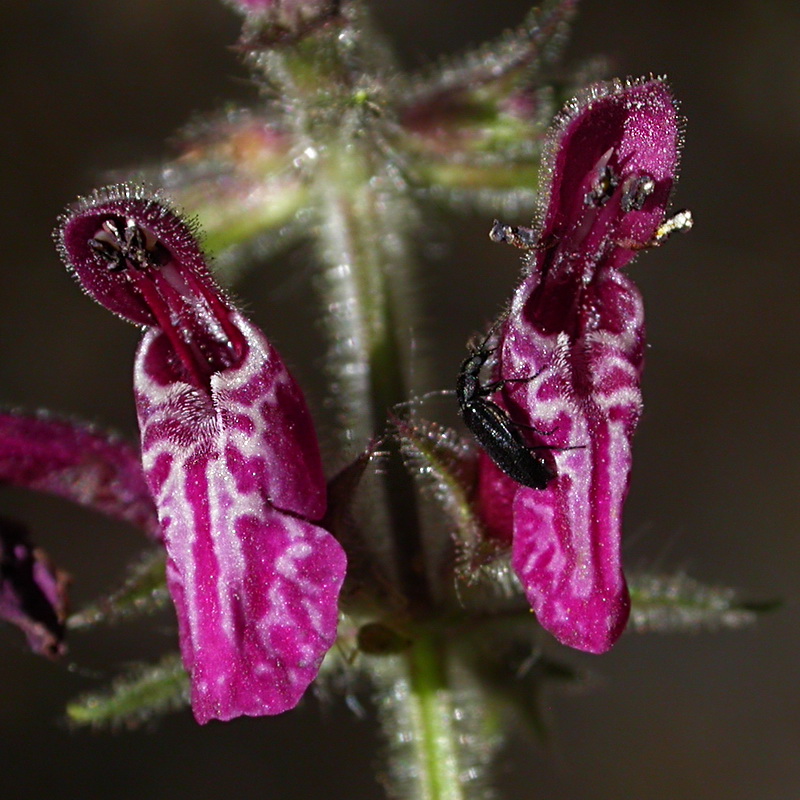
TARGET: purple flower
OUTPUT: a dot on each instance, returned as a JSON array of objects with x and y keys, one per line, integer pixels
[
  {"x": 230, "y": 457},
  {"x": 78, "y": 463},
  {"x": 287, "y": 18},
  {"x": 33, "y": 592},
  {"x": 297, "y": 6},
  {"x": 576, "y": 329}
]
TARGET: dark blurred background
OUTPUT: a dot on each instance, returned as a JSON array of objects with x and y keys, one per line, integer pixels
[{"x": 94, "y": 85}]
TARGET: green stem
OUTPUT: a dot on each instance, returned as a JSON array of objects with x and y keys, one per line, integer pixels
[
  {"x": 441, "y": 735},
  {"x": 417, "y": 718},
  {"x": 434, "y": 711},
  {"x": 367, "y": 361},
  {"x": 363, "y": 210},
  {"x": 363, "y": 247}
]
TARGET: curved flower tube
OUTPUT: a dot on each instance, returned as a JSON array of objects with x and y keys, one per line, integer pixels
[
  {"x": 78, "y": 462},
  {"x": 576, "y": 330},
  {"x": 230, "y": 457}
]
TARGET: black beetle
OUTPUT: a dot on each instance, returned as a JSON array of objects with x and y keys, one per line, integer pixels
[{"x": 495, "y": 431}]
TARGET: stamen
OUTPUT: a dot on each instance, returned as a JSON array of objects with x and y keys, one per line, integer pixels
[
  {"x": 604, "y": 183},
  {"x": 679, "y": 222},
  {"x": 184, "y": 307},
  {"x": 635, "y": 190}
]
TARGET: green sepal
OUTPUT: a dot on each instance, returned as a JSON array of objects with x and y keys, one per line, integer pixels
[
  {"x": 445, "y": 464},
  {"x": 238, "y": 175},
  {"x": 678, "y": 603},
  {"x": 477, "y": 123},
  {"x": 142, "y": 693},
  {"x": 144, "y": 591}
]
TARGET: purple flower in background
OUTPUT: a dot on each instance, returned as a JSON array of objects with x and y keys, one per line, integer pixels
[
  {"x": 33, "y": 592},
  {"x": 76, "y": 462},
  {"x": 576, "y": 329},
  {"x": 287, "y": 18},
  {"x": 230, "y": 457}
]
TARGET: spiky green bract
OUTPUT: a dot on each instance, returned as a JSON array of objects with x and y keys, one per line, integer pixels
[
  {"x": 467, "y": 131},
  {"x": 446, "y": 467},
  {"x": 144, "y": 591},
  {"x": 680, "y": 604},
  {"x": 236, "y": 172},
  {"x": 143, "y": 693},
  {"x": 473, "y": 127}
]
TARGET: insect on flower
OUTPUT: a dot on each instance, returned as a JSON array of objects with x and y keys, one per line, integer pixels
[
  {"x": 577, "y": 320},
  {"x": 494, "y": 429}
]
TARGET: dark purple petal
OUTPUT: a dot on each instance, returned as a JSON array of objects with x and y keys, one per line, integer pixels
[
  {"x": 139, "y": 259},
  {"x": 495, "y": 500},
  {"x": 255, "y": 586},
  {"x": 577, "y": 324},
  {"x": 33, "y": 592},
  {"x": 77, "y": 462},
  {"x": 611, "y": 165}
]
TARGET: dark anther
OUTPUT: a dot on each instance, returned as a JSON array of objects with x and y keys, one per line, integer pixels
[
  {"x": 129, "y": 246},
  {"x": 635, "y": 190},
  {"x": 604, "y": 183}
]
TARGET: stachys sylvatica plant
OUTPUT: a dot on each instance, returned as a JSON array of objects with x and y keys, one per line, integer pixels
[{"x": 416, "y": 558}]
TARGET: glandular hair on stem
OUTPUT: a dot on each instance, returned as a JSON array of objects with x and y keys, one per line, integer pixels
[{"x": 460, "y": 707}]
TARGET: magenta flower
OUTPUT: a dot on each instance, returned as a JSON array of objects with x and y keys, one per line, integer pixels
[
  {"x": 78, "y": 463},
  {"x": 577, "y": 324},
  {"x": 33, "y": 591},
  {"x": 230, "y": 457}
]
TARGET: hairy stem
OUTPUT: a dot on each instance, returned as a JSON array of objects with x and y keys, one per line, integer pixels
[
  {"x": 440, "y": 738},
  {"x": 364, "y": 214},
  {"x": 366, "y": 270},
  {"x": 434, "y": 712}
]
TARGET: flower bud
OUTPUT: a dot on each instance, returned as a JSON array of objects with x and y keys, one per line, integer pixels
[{"x": 33, "y": 592}]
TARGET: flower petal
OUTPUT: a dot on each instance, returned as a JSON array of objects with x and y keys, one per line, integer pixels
[
  {"x": 230, "y": 457},
  {"x": 33, "y": 592},
  {"x": 495, "y": 500},
  {"x": 576, "y": 329},
  {"x": 237, "y": 479},
  {"x": 77, "y": 462},
  {"x": 600, "y": 149},
  {"x": 256, "y": 617}
]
